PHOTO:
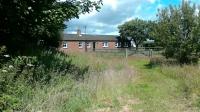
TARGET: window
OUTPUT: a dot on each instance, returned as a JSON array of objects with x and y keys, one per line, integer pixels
[
  {"x": 117, "y": 44},
  {"x": 105, "y": 44},
  {"x": 88, "y": 45},
  {"x": 80, "y": 44},
  {"x": 64, "y": 44}
]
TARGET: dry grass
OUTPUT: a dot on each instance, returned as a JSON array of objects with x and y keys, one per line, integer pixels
[
  {"x": 116, "y": 84},
  {"x": 100, "y": 91}
]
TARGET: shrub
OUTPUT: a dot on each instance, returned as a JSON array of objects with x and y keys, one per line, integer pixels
[
  {"x": 22, "y": 74},
  {"x": 162, "y": 61},
  {"x": 2, "y": 57}
]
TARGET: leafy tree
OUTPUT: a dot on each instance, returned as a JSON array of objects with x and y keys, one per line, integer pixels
[
  {"x": 24, "y": 22},
  {"x": 178, "y": 32},
  {"x": 136, "y": 29}
]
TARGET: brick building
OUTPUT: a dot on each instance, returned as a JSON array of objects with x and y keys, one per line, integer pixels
[{"x": 84, "y": 43}]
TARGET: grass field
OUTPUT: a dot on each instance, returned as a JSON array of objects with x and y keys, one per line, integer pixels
[
  {"x": 116, "y": 84},
  {"x": 165, "y": 88}
]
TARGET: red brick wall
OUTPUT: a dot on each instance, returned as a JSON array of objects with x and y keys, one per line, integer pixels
[
  {"x": 111, "y": 45},
  {"x": 73, "y": 46}
]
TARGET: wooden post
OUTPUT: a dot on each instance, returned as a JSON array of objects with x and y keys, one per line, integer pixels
[
  {"x": 126, "y": 52},
  {"x": 150, "y": 53},
  {"x": 94, "y": 46},
  {"x": 85, "y": 46}
]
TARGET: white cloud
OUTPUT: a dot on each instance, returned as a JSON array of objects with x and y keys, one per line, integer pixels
[
  {"x": 116, "y": 12},
  {"x": 113, "y": 33},
  {"x": 112, "y": 3},
  {"x": 151, "y": 1},
  {"x": 88, "y": 15}
]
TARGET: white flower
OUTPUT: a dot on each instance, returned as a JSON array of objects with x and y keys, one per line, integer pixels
[
  {"x": 4, "y": 71},
  {"x": 30, "y": 65},
  {"x": 10, "y": 66},
  {"x": 29, "y": 8},
  {"x": 7, "y": 56}
]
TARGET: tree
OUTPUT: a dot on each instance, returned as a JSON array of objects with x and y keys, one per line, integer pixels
[
  {"x": 136, "y": 29},
  {"x": 178, "y": 32},
  {"x": 24, "y": 22}
]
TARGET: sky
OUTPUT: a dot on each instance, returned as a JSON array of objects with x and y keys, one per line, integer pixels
[{"x": 115, "y": 12}]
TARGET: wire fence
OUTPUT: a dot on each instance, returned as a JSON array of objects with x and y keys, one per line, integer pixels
[{"x": 145, "y": 51}]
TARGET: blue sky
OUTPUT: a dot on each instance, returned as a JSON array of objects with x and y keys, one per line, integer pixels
[{"x": 116, "y": 12}]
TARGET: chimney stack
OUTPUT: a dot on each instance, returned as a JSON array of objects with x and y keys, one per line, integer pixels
[{"x": 78, "y": 32}]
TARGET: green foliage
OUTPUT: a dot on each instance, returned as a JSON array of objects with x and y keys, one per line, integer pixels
[
  {"x": 2, "y": 52},
  {"x": 136, "y": 29},
  {"x": 2, "y": 49},
  {"x": 178, "y": 32},
  {"x": 25, "y": 22},
  {"x": 23, "y": 74},
  {"x": 78, "y": 101},
  {"x": 155, "y": 61}
]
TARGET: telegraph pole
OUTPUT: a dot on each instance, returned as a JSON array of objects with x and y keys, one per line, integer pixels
[{"x": 85, "y": 28}]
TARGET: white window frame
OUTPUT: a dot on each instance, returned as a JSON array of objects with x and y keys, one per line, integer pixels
[
  {"x": 80, "y": 44},
  {"x": 116, "y": 44},
  {"x": 65, "y": 45},
  {"x": 105, "y": 44},
  {"x": 88, "y": 44}
]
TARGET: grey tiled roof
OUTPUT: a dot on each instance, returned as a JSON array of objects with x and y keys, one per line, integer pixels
[{"x": 75, "y": 37}]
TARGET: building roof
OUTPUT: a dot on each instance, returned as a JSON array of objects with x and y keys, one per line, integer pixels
[{"x": 83, "y": 37}]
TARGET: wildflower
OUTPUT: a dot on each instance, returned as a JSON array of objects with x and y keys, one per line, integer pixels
[
  {"x": 4, "y": 71},
  {"x": 7, "y": 56},
  {"x": 10, "y": 66},
  {"x": 30, "y": 65},
  {"x": 29, "y": 8}
]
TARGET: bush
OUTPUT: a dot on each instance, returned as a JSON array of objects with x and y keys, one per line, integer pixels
[
  {"x": 22, "y": 74},
  {"x": 162, "y": 61},
  {"x": 2, "y": 57},
  {"x": 178, "y": 32}
]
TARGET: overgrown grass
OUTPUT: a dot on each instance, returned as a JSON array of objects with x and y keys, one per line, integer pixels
[
  {"x": 64, "y": 83},
  {"x": 166, "y": 88},
  {"x": 89, "y": 82},
  {"x": 101, "y": 88}
]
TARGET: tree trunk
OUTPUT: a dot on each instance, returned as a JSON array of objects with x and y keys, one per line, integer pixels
[{"x": 137, "y": 47}]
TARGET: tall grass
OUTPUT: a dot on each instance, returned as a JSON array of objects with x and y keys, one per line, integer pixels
[
  {"x": 55, "y": 82},
  {"x": 166, "y": 88},
  {"x": 189, "y": 78},
  {"x": 100, "y": 89},
  {"x": 89, "y": 82}
]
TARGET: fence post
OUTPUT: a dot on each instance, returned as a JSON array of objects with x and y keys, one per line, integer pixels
[
  {"x": 126, "y": 52},
  {"x": 150, "y": 52}
]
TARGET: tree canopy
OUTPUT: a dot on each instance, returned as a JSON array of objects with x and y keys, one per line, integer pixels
[
  {"x": 176, "y": 29},
  {"x": 178, "y": 32},
  {"x": 24, "y": 22},
  {"x": 136, "y": 29}
]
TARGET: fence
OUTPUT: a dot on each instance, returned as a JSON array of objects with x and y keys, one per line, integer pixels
[{"x": 146, "y": 51}]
